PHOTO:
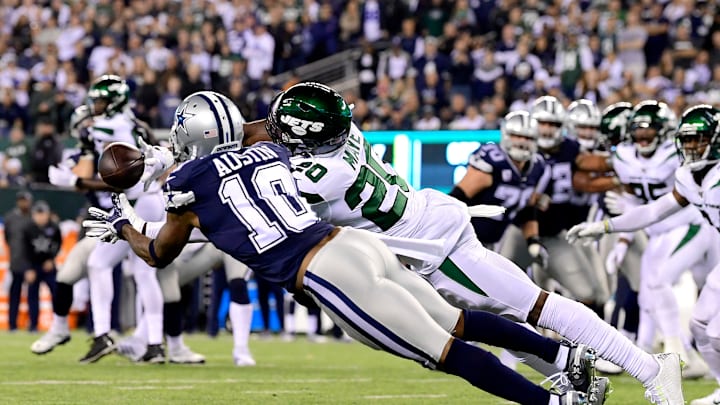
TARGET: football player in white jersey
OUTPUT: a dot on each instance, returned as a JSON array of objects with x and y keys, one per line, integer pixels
[
  {"x": 696, "y": 183},
  {"x": 646, "y": 167},
  {"x": 111, "y": 121},
  {"x": 345, "y": 182}
]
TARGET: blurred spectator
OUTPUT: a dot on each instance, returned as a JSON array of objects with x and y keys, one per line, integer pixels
[
  {"x": 259, "y": 50},
  {"x": 12, "y": 175},
  {"x": 367, "y": 66},
  {"x": 394, "y": 62},
  {"x": 434, "y": 18},
  {"x": 372, "y": 20},
  {"x": 631, "y": 44},
  {"x": 573, "y": 59},
  {"x": 325, "y": 34},
  {"x": 17, "y": 146},
  {"x": 170, "y": 99},
  {"x": 657, "y": 34},
  {"x": 350, "y": 22},
  {"x": 42, "y": 240},
  {"x": 14, "y": 222},
  {"x": 147, "y": 98},
  {"x": 428, "y": 121},
  {"x": 11, "y": 114},
  {"x": 42, "y": 103},
  {"x": 485, "y": 75},
  {"x": 46, "y": 152},
  {"x": 470, "y": 120}
]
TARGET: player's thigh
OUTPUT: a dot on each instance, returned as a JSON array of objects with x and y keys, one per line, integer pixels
[
  {"x": 234, "y": 268},
  {"x": 568, "y": 266},
  {"x": 107, "y": 255},
  {"x": 150, "y": 207},
  {"x": 632, "y": 262},
  {"x": 598, "y": 274},
  {"x": 514, "y": 247},
  {"x": 669, "y": 255},
  {"x": 169, "y": 284},
  {"x": 477, "y": 278},
  {"x": 202, "y": 261},
  {"x": 348, "y": 279},
  {"x": 75, "y": 266},
  {"x": 707, "y": 308}
]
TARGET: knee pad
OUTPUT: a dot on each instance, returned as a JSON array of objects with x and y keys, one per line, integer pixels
[{"x": 239, "y": 291}]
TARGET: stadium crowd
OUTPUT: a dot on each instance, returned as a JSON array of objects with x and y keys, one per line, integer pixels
[{"x": 423, "y": 64}]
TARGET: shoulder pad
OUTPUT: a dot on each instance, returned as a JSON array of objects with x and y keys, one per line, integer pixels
[{"x": 486, "y": 157}]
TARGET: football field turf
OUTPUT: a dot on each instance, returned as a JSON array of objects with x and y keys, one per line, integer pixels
[{"x": 287, "y": 373}]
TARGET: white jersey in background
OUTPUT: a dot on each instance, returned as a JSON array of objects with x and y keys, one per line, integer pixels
[{"x": 651, "y": 178}]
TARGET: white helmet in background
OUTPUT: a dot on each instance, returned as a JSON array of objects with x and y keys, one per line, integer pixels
[
  {"x": 583, "y": 122},
  {"x": 550, "y": 115},
  {"x": 518, "y": 136}
]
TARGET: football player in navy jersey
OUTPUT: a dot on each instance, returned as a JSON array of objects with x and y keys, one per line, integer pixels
[
  {"x": 245, "y": 201},
  {"x": 507, "y": 174}
]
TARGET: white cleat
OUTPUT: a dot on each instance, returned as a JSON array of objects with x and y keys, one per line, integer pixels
[
  {"x": 132, "y": 347},
  {"x": 183, "y": 355},
  {"x": 712, "y": 399},
  {"x": 695, "y": 366},
  {"x": 607, "y": 367},
  {"x": 666, "y": 387},
  {"x": 244, "y": 360},
  {"x": 48, "y": 341}
]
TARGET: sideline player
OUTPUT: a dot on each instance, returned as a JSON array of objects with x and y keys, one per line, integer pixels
[{"x": 696, "y": 183}]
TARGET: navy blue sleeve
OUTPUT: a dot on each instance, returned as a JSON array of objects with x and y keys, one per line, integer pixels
[{"x": 179, "y": 189}]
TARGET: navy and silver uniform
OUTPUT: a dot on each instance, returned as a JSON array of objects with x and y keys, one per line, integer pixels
[
  {"x": 249, "y": 206},
  {"x": 510, "y": 188},
  {"x": 561, "y": 214}
]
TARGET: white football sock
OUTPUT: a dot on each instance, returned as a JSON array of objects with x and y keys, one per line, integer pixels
[
  {"x": 579, "y": 324},
  {"x": 667, "y": 316},
  {"x": 646, "y": 331},
  {"x": 312, "y": 324},
  {"x": 101, "y": 296},
  {"x": 148, "y": 289},
  {"x": 60, "y": 324},
  {"x": 140, "y": 331},
  {"x": 240, "y": 318},
  {"x": 174, "y": 342}
]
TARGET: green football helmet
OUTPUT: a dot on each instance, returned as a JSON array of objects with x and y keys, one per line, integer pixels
[
  {"x": 697, "y": 138},
  {"x": 309, "y": 118},
  {"x": 614, "y": 123},
  {"x": 653, "y": 115},
  {"x": 108, "y": 95}
]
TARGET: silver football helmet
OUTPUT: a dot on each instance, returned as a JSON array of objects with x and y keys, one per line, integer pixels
[
  {"x": 518, "y": 135},
  {"x": 550, "y": 115},
  {"x": 203, "y": 121},
  {"x": 78, "y": 117},
  {"x": 583, "y": 122}
]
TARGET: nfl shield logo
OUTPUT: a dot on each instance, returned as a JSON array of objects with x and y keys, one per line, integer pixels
[
  {"x": 210, "y": 133},
  {"x": 506, "y": 175}
]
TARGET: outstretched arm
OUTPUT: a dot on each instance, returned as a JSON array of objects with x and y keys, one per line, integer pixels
[
  {"x": 471, "y": 184},
  {"x": 593, "y": 163},
  {"x": 645, "y": 215},
  {"x": 170, "y": 240},
  {"x": 583, "y": 181}
]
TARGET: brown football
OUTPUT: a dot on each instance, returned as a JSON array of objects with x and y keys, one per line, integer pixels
[{"x": 121, "y": 165}]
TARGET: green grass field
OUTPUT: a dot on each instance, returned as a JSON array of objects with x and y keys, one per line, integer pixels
[{"x": 287, "y": 373}]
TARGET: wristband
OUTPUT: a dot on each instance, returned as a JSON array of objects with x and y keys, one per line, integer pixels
[
  {"x": 533, "y": 239},
  {"x": 79, "y": 182},
  {"x": 151, "y": 250},
  {"x": 118, "y": 225}
]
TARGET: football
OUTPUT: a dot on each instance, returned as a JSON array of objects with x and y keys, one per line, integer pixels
[{"x": 121, "y": 165}]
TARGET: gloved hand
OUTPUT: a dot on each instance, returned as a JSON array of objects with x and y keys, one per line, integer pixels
[
  {"x": 588, "y": 231},
  {"x": 107, "y": 226},
  {"x": 62, "y": 176},
  {"x": 157, "y": 161},
  {"x": 538, "y": 252},
  {"x": 618, "y": 203},
  {"x": 616, "y": 257}
]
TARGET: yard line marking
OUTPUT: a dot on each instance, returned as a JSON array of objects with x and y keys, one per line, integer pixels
[
  {"x": 405, "y": 396},
  {"x": 191, "y": 381},
  {"x": 272, "y": 392},
  {"x": 155, "y": 387}
]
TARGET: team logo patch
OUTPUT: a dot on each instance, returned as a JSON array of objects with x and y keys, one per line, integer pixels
[
  {"x": 506, "y": 175},
  {"x": 301, "y": 127}
]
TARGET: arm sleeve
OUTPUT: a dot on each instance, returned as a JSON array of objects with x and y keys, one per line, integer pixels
[{"x": 645, "y": 215}]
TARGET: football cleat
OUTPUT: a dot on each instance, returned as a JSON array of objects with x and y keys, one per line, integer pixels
[
  {"x": 183, "y": 355},
  {"x": 666, "y": 387},
  {"x": 131, "y": 347},
  {"x": 154, "y": 355},
  {"x": 101, "y": 346},
  {"x": 244, "y": 360},
  {"x": 572, "y": 398},
  {"x": 48, "y": 341},
  {"x": 599, "y": 390},
  {"x": 712, "y": 399},
  {"x": 580, "y": 366}
]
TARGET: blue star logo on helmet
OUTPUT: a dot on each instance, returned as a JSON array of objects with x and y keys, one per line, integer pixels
[{"x": 182, "y": 116}]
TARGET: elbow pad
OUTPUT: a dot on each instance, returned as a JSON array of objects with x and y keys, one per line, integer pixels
[{"x": 459, "y": 194}]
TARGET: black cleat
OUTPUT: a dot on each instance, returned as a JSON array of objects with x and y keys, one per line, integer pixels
[
  {"x": 154, "y": 355},
  {"x": 101, "y": 347}
]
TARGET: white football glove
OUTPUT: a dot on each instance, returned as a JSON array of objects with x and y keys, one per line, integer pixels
[
  {"x": 485, "y": 211},
  {"x": 157, "y": 161},
  {"x": 107, "y": 225},
  {"x": 618, "y": 203},
  {"x": 616, "y": 257},
  {"x": 62, "y": 176},
  {"x": 538, "y": 252},
  {"x": 588, "y": 231}
]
